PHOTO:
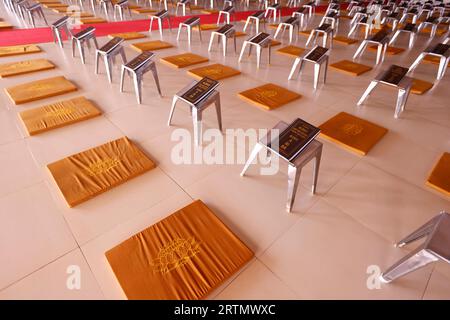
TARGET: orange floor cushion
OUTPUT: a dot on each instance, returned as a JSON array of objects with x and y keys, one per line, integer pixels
[
  {"x": 184, "y": 256},
  {"x": 151, "y": 45},
  {"x": 350, "y": 67},
  {"x": 344, "y": 40},
  {"x": 440, "y": 176},
  {"x": 390, "y": 50},
  {"x": 22, "y": 67},
  {"x": 128, "y": 35},
  {"x": 19, "y": 50},
  {"x": 40, "y": 89},
  {"x": 58, "y": 114},
  {"x": 292, "y": 51},
  {"x": 420, "y": 86},
  {"x": 184, "y": 60},
  {"x": 269, "y": 96},
  {"x": 351, "y": 132},
  {"x": 215, "y": 71},
  {"x": 87, "y": 174}
]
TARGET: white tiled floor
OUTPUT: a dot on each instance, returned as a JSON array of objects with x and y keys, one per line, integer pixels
[{"x": 321, "y": 250}]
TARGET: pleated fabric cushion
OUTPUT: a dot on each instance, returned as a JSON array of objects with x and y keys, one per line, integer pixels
[
  {"x": 87, "y": 174},
  {"x": 184, "y": 256}
]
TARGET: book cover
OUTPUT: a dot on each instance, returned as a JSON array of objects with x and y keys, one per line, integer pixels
[
  {"x": 84, "y": 32},
  {"x": 161, "y": 13},
  {"x": 112, "y": 44},
  {"x": 316, "y": 54},
  {"x": 137, "y": 62},
  {"x": 200, "y": 90},
  {"x": 191, "y": 20},
  {"x": 324, "y": 26},
  {"x": 225, "y": 28},
  {"x": 295, "y": 138},
  {"x": 260, "y": 37},
  {"x": 394, "y": 74}
]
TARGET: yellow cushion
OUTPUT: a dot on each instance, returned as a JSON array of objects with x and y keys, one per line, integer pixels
[
  {"x": 344, "y": 40},
  {"x": 58, "y": 114},
  {"x": 420, "y": 86},
  {"x": 292, "y": 51},
  {"x": 128, "y": 35},
  {"x": 151, "y": 45},
  {"x": 350, "y": 67},
  {"x": 269, "y": 96},
  {"x": 215, "y": 71},
  {"x": 390, "y": 50},
  {"x": 23, "y": 67},
  {"x": 184, "y": 256},
  {"x": 18, "y": 50},
  {"x": 440, "y": 176},
  {"x": 40, "y": 89},
  {"x": 87, "y": 174},
  {"x": 351, "y": 132},
  {"x": 184, "y": 60}
]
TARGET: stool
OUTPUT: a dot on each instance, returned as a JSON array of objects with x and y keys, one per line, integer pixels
[
  {"x": 293, "y": 3},
  {"x": 197, "y": 110},
  {"x": 352, "y": 4},
  {"x": 109, "y": 52},
  {"x": 410, "y": 13},
  {"x": 364, "y": 22},
  {"x": 274, "y": 10},
  {"x": 259, "y": 41},
  {"x": 333, "y": 7},
  {"x": 311, "y": 7},
  {"x": 223, "y": 34},
  {"x": 403, "y": 85},
  {"x": 295, "y": 166},
  {"x": 426, "y": 9},
  {"x": 289, "y": 23},
  {"x": 120, "y": 6},
  {"x": 255, "y": 19},
  {"x": 380, "y": 39},
  {"x": 440, "y": 50},
  {"x": 327, "y": 32},
  {"x": 104, "y": 4},
  {"x": 355, "y": 9},
  {"x": 439, "y": 9},
  {"x": 331, "y": 18},
  {"x": 57, "y": 27},
  {"x": 317, "y": 56},
  {"x": 35, "y": 9},
  {"x": 136, "y": 69},
  {"x": 165, "y": 4},
  {"x": 160, "y": 16},
  {"x": 430, "y": 22},
  {"x": 435, "y": 247},
  {"x": 300, "y": 15},
  {"x": 393, "y": 18},
  {"x": 226, "y": 12},
  {"x": 82, "y": 37},
  {"x": 183, "y": 4},
  {"x": 189, "y": 24},
  {"x": 410, "y": 29}
]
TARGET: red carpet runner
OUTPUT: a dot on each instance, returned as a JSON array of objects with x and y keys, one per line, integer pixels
[{"x": 42, "y": 35}]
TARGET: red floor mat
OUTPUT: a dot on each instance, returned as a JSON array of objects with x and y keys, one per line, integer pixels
[{"x": 42, "y": 35}]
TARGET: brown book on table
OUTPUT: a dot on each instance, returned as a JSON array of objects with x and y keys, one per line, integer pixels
[
  {"x": 394, "y": 74},
  {"x": 260, "y": 37},
  {"x": 316, "y": 54},
  {"x": 296, "y": 137},
  {"x": 137, "y": 62},
  {"x": 200, "y": 90}
]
